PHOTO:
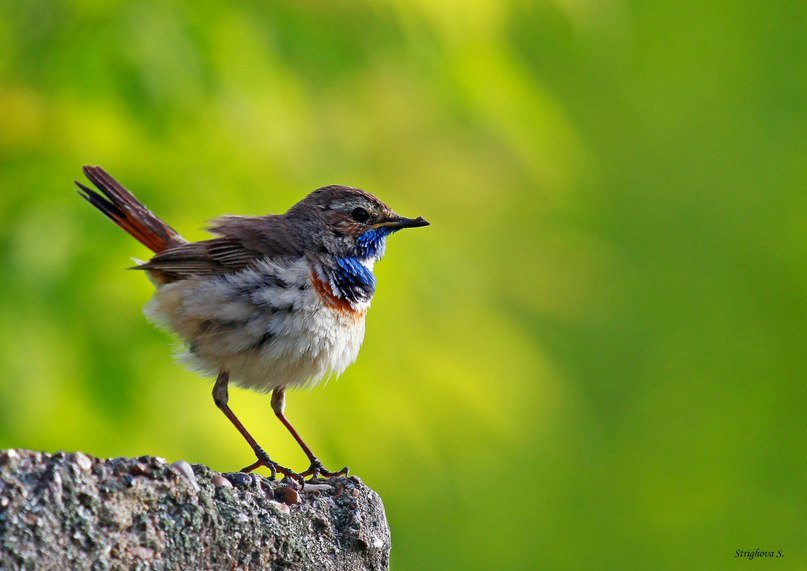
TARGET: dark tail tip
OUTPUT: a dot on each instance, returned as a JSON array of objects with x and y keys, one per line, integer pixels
[{"x": 121, "y": 206}]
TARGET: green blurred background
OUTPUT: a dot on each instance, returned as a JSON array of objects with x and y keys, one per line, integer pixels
[{"x": 595, "y": 356}]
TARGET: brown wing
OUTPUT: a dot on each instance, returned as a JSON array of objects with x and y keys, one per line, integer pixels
[{"x": 242, "y": 242}]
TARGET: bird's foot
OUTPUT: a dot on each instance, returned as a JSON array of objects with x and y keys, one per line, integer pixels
[
  {"x": 316, "y": 470},
  {"x": 263, "y": 460}
]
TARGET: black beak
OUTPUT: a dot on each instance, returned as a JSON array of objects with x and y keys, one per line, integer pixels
[{"x": 398, "y": 223}]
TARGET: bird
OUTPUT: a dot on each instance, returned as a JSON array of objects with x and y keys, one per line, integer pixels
[{"x": 269, "y": 302}]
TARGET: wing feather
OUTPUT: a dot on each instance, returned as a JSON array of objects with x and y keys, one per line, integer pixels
[{"x": 242, "y": 242}]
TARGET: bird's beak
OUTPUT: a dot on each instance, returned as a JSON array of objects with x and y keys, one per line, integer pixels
[{"x": 398, "y": 223}]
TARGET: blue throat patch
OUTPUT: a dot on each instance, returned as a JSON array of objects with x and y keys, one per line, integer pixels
[
  {"x": 352, "y": 280},
  {"x": 371, "y": 244}
]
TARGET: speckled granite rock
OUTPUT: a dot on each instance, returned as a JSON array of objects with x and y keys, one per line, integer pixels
[{"x": 72, "y": 511}]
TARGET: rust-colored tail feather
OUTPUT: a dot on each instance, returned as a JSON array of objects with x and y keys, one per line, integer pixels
[{"x": 121, "y": 206}]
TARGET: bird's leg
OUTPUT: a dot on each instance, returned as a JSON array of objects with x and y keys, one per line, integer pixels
[
  {"x": 315, "y": 469},
  {"x": 221, "y": 397}
]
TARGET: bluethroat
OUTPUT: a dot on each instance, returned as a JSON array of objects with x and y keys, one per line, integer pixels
[{"x": 270, "y": 302}]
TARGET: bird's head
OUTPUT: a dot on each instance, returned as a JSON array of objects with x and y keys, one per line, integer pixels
[{"x": 347, "y": 222}]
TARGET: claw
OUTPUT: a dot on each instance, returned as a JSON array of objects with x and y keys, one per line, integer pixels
[
  {"x": 316, "y": 470},
  {"x": 274, "y": 467}
]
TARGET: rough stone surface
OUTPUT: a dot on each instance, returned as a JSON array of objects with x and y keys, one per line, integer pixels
[{"x": 73, "y": 511}]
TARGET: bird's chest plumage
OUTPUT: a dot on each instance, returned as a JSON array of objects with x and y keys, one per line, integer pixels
[{"x": 277, "y": 324}]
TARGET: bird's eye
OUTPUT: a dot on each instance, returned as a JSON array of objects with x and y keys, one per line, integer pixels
[{"x": 359, "y": 214}]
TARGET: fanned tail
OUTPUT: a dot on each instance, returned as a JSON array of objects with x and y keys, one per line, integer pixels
[{"x": 121, "y": 206}]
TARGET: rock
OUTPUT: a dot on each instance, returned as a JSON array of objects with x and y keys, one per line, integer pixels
[
  {"x": 78, "y": 512},
  {"x": 283, "y": 508},
  {"x": 221, "y": 482},
  {"x": 186, "y": 472},
  {"x": 238, "y": 479},
  {"x": 287, "y": 495},
  {"x": 82, "y": 461},
  {"x": 311, "y": 488}
]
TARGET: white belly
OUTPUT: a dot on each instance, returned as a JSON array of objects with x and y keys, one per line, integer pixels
[{"x": 267, "y": 326}]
